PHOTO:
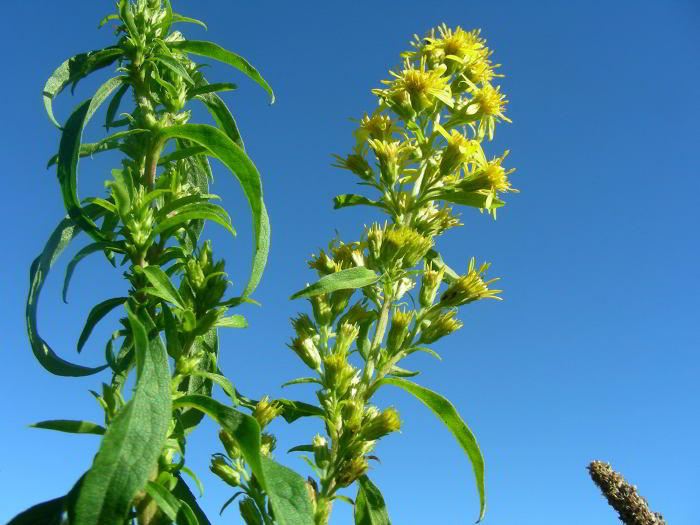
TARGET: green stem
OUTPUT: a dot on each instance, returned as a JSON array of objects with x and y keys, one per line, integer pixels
[{"x": 378, "y": 336}]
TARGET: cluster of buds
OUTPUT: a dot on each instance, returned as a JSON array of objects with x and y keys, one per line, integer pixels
[{"x": 205, "y": 281}]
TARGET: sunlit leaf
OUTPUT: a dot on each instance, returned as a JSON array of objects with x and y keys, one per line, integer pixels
[
  {"x": 180, "y": 18},
  {"x": 370, "y": 508},
  {"x": 84, "y": 252},
  {"x": 135, "y": 437},
  {"x": 349, "y": 199},
  {"x": 285, "y": 488},
  {"x": 446, "y": 412},
  {"x": 223, "y": 148},
  {"x": 71, "y": 426},
  {"x": 164, "y": 288},
  {"x": 178, "y": 511},
  {"x": 349, "y": 279},
  {"x": 73, "y": 70},
  {"x": 211, "y": 50},
  {"x": 59, "y": 239},
  {"x": 96, "y": 315}
]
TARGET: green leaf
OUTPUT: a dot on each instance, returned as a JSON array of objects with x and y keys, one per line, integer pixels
[
  {"x": 223, "y": 117},
  {"x": 220, "y": 380},
  {"x": 163, "y": 287},
  {"x": 106, "y": 144},
  {"x": 422, "y": 349},
  {"x": 194, "y": 477},
  {"x": 193, "y": 213},
  {"x": 181, "y": 154},
  {"x": 349, "y": 199},
  {"x": 447, "y": 413},
  {"x": 73, "y": 70},
  {"x": 285, "y": 488},
  {"x": 71, "y": 426},
  {"x": 68, "y": 154},
  {"x": 134, "y": 440},
  {"x": 183, "y": 493},
  {"x": 180, "y": 18},
  {"x": 178, "y": 511},
  {"x": 233, "y": 321},
  {"x": 302, "y": 380},
  {"x": 59, "y": 239},
  {"x": 343, "y": 280},
  {"x": 95, "y": 316},
  {"x": 301, "y": 448},
  {"x": 370, "y": 508},
  {"x": 181, "y": 203},
  {"x": 210, "y": 88},
  {"x": 397, "y": 371},
  {"x": 174, "y": 65},
  {"x": 293, "y": 410},
  {"x": 211, "y": 50},
  {"x": 84, "y": 252},
  {"x": 46, "y": 513},
  {"x": 223, "y": 148},
  {"x": 206, "y": 345},
  {"x": 171, "y": 336}
]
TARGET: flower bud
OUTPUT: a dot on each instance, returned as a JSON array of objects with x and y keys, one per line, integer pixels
[
  {"x": 230, "y": 444},
  {"x": 468, "y": 288},
  {"x": 339, "y": 301},
  {"x": 352, "y": 414},
  {"x": 322, "y": 263},
  {"x": 351, "y": 470},
  {"x": 338, "y": 373},
  {"x": 357, "y": 164},
  {"x": 321, "y": 453},
  {"x": 402, "y": 286},
  {"x": 344, "y": 338},
  {"x": 381, "y": 425},
  {"x": 321, "y": 309},
  {"x": 186, "y": 365},
  {"x": 268, "y": 443},
  {"x": 429, "y": 285},
  {"x": 224, "y": 471},
  {"x": 440, "y": 327},
  {"x": 389, "y": 155},
  {"x": 403, "y": 246},
  {"x": 265, "y": 411},
  {"x": 399, "y": 328},
  {"x": 375, "y": 235},
  {"x": 306, "y": 349}
]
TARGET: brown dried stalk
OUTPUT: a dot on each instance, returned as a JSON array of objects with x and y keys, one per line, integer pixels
[{"x": 632, "y": 508}]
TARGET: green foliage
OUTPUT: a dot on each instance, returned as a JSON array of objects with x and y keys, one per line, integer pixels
[{"x": 425, "y": 137}]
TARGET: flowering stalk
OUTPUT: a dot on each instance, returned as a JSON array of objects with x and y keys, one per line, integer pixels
[{"x": 426, "y": 137}]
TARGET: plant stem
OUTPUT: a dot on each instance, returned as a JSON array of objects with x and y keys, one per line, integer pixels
[{"x": 378, "y": 336}]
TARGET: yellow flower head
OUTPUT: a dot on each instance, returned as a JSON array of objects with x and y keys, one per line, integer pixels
[
  {"x": 377, "y": 127},
  {"x": 459, "y": 47},
  {"x": 469, "y": 287},
  {"x": 419, "y": 87},
  {"x": 459, "y": 150},
  {"x": 488, "y": 176},
  {"x": 391, "y": 156},
  {"x": 487, "y": 104}
]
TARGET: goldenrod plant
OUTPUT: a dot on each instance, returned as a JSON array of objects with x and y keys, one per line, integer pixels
[
  {"x": 389, "y": 294},
  {"x": 378, "y": 299}
]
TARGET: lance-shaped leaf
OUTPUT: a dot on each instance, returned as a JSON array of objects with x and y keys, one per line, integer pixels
[
  {"x": 162, "y": 287},
  {"x": 60, "y": 238},
  {"x": 96, "y": 315},
  {"x": 113, "y": 106},
  {"x": 73, "y": 70},
  {"x": 46, "y": 513},
  {"x": 447, "y": 413},
  {"x": 343, "y": 280},
  {"x": 178, "y": 511},
  {"x": 180, "y": 18},
  {"x": 174, "y": 65},
  {"x": 222, "y": 147},
  {"x": 219, "y": 110},
  {"x": 206, "y": 345},
  {"x": 68, "y": 154},
  {"x": 285, "y": 488},
  {"x": 220, "y": 380},
  {"x": 211, "y": 50},
  {"x": 233, "y": 321},
  {"x": 135, "y": 438},
  {"x": 210, "y": 88},
  {"x": 114, "y": 141},
  {"x": 71, "y": 426},
  {"x": 183, "y": 493},
  {"x": 203, "y": 211},
  {"x": 349, "y": 199},
  {"x": 293, "y": 410},
  {"x": 370, "y": 508}
]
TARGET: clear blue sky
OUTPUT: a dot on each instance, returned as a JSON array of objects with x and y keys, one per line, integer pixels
[{"x": 593, "y": 354}]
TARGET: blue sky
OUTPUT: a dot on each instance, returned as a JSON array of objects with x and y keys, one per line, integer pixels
[{"x": 593, "y": 354}]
